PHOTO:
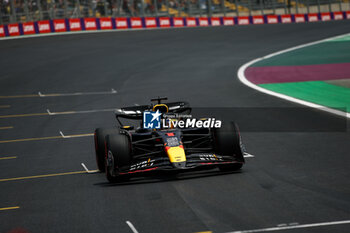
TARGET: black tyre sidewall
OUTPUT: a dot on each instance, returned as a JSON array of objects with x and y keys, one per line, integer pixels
[
  {"x": 119, "y": 147},
  {"x": 227, "y": 141},
  {"x": 99, "y": 137}
]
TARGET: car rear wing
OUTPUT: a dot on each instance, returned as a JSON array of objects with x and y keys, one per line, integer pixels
[{"x": 136, "y": 112}]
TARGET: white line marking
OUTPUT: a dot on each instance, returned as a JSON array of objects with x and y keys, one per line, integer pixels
[
  {"x": 82, "y": 164},
  {"x": 280, "y": 228},
  {"x": 80, "y": 112},
  {"x": 132, "y": 227},
  {"x": 39, "y": 93},
  {"x": 247, "y": 155},
  {"x": 245, "y": 81},
  {"x": 136, "y": 104},
  {"x": 48, "y": 111},
  {"x": 87, "y": 170},
  {"x": 62, "y": 134}
]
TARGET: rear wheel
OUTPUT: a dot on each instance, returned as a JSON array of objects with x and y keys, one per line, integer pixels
[
  {"x": 227, "y": 141},
  {"x": 118, "y": 150},
  {"x": 99, "y": 136}
]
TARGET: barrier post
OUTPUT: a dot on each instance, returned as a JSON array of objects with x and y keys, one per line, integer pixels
[
  {"x": 285, "y": 6},
  {"x": 40, "y": 9},
  {"x": 65, "y": 9},
  {"x": 199, "y": 8},
  {"x": 250, "y": 7},
  {"x": 1, "y": 17},
  {"x": 209, "y": 8},
  {"x": 188, "y": 3},
  {"x": 297, "y": 6},
  {"x": 13, "y": 9},
  {"x": 237, "y": 12},
  {"x": 318, "y": 6},
  {"x": 105, "y": 8},
  {"x": 308, "y": 6},
  {"x": 26, "y": 10},
  {"x": 329, "y": 6},
  {"x": 78, "y": 8},
  {"x": 223, "y": 8},
  {"x": 155, "y": 7},
  {"x": 273, "y": 7},
  {"x": 340, "y": 5},
  {"x": 143, "y": 8},
  {"x": 119, "y": 2},
  {"x": 52, "y": 11},
  {"x": 261, "y": 7},
  {"x": 167, "y": 7}
]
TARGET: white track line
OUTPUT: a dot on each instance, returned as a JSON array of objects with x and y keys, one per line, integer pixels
[
  {"x": 247, "y": 155},
  {"x": 280, "y": 228},
  {"x": 87, "y": 170},
  {"x": 80, "y": 112},
  {"x": 132, "y": 227},
  {"x": 78, "y": 93},
  {"x": 245, "y": 81}
]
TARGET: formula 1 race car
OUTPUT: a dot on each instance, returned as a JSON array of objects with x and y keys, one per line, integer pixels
[{"x": 125, "y": 151}]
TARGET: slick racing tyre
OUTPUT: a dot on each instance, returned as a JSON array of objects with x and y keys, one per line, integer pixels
[
  {"x": 118, "y": 156},
  {"x": 99, "y": 136},
  {"x": 227, "y": 141}
]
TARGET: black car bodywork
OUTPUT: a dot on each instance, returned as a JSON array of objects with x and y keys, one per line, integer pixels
[{"x": 123, "y": 151}]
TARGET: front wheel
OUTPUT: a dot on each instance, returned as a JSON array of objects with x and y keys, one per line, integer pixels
[
  {"x": 99, "y": 136},
  {"x": 118, "y": 153},
  {"x": 227, "y": 141}
]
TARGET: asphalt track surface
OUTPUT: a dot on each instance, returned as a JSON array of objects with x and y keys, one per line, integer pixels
[{"x": 295, "y": 177}]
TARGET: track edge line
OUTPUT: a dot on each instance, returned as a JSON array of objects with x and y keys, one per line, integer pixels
[{"x": 246, "y": 82}]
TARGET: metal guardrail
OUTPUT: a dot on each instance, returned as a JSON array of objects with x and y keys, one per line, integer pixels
[{"x": 12, "y": 11}]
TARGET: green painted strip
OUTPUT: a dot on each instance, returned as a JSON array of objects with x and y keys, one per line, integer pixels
[
  {"x": 318, "y": 92},
  {"x": 323, "y": 53},
  {"x": 340, "y": 39}
]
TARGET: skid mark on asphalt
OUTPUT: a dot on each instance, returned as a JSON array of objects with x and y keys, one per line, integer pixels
[
  {"x": 45, "y": 175},
  {"x": 9, "y": 208},
  {"x": 41, "y": 95}
]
